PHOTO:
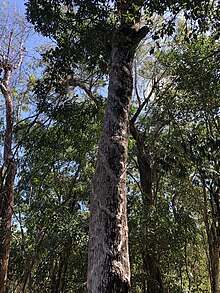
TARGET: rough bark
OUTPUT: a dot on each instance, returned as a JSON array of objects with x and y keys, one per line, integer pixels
[
  {"x": 108, "y": 263},
  {"x": 7, "y": 176},
  {"x": 150, "y": 260}
]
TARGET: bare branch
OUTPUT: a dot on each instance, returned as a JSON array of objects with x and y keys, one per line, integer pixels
[
  {"x": 20, "y": 56},
  {"x": 9, "y": 45}
]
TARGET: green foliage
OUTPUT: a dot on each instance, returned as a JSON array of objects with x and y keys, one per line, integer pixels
[
  {"x": 57, "y": 155},
  {"x": 83, "y": 30},
  {"x": 56, "y": 166},
  {"x": 182, "y": 154},
  {"x": 76, "y": 27}
]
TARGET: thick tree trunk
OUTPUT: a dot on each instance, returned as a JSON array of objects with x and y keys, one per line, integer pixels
[
  {"x": 7, "y": 176},
  {"x": 150, "y": 261},
  {"x": 108, "y": 263}
]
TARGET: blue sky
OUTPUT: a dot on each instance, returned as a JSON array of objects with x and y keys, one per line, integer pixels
[
  {"x": 19, "y": 4},
  {"x": 35, "y": 40}
]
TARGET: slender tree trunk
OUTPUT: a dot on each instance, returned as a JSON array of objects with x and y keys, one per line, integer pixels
[
  {"x": 63, "y": 281},
  {"x": 7, "y": 176},
  {"x": 108, "y": 263},
  {"x": 150, "y": 261},
  {"x": 214, "y": 251},
  {"x": 154, "y": 282},
  {"x": 57, "y": 275},
  {"x": 213, "y": 237},
  {"x": 187, "y": 267},
  {"x": 30, "y": 265},
  {"x": 6, "y": 202},
  {"x": 53, "y": 277},
  {"x": 214, "y": 257}
]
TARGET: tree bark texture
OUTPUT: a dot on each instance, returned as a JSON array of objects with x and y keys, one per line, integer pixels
[
  {"x": 150, "y": 261},
  {"x": 7, "y": 176},
  {"x": 108, "y": 263}
]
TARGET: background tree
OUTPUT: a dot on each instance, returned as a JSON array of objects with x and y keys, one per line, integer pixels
[
  {"x": 199, "y": 129},
  {"x": 53, "y": 188},
  {"x": 12, "y": 36},
  {"x": 163, "y": 165}
]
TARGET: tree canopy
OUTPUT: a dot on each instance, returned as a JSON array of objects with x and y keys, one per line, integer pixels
[{"x": 123, "y": 88}]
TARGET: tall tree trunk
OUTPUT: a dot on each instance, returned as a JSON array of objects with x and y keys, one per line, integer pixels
[
  {"x": 150, "y": 260},
  {"x": 7, "y": 176},
  {"x": 108, "y": 263}
]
